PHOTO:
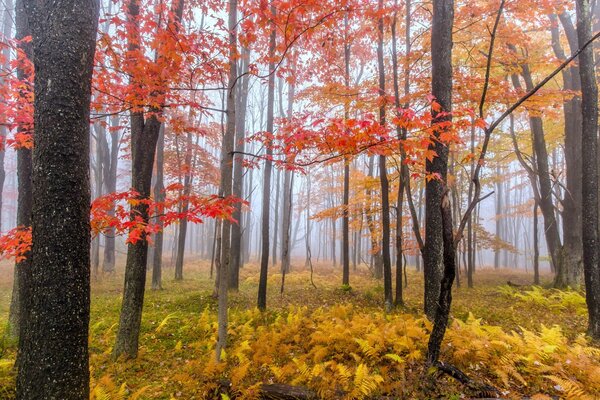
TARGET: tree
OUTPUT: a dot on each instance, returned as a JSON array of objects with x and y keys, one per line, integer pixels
[
  {"x": 436, "y": 169},
  {"x": 144, "y": 136},
  {"x": 54, "y": 351},
  {"x": 589, "y": 162},
  {"x": 266, "y": 203},
  {"x": 18, "y": 309},
  {"x": 226, "y": 186},
  {"x": 383, "y": 178}
]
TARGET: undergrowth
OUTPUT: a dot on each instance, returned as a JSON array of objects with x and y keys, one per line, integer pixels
[{"x": 337, "y": 342}]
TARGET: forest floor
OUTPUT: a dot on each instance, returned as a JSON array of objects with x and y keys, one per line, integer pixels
[{"x": 335, "y": 340}]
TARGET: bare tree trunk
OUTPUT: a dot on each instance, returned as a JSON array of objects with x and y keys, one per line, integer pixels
[
  {"x": 144, "y": 137},
  {"x": 22, "y": 274},
  {"x": 54, "y": 351},
  {"x": 266, "y": 203},
  {"x": 499, "y": 197},
  {"x": 545, "y": 185},
  {"x": 159, "y": 196},
  {"x": 111, "y": 160},
  {"x": 572, "y": 223},
  {"x": 7, "y": 22},
  {"x": 227, "y": 180},
  {"x": 385, "y": 191},
  {"x": 238, "y": 173},
  {"x": 441, "y": 51},
  {"x": 183, "y": 224},
  {"x": 589, "y": 160}
]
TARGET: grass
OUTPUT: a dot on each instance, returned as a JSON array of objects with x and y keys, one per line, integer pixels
[{"x": 179, "y": 328}]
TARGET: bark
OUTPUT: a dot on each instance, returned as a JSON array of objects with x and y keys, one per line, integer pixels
[
  {"x": 183, "y": 224},
  {"x": 346, "y": 195},
  {"x": 111, "y": 160},
  {"x": 238, "y": 173},
  {"x": 589, "y": 161},
  {"x": 444, "y": 302},
  {"x": 441, "y": 83},
  {"x": 18, "y": 306},
  {"x": 226, "y": 186},
  {"x": 536, "y": 246},
  {"x": 402, "y": 134},
  {"x": 376, "y": 259},
  {"x": 54, "y": 351},
  {"x": 470, "y": 232},
  {"x": 266, "y": 200},
  {"x": 144, "y": 136},
  {"x": 98, "y": 184},
  {"x": 572, "y": 223},
  {"x": 288, "y": 194},
  {"x": 6, "y": 33},
  {"x": 499, "y": 207},
  {"x": 383, "y": 179},
  {"x": 159, "y": 196}
]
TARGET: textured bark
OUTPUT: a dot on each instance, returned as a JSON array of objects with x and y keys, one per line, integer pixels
[
  {"x": 266, "y": 200},
  {"x": 441, "y": 84},
  {"x": 18, "y": 306},
  {"x": 54, "y": 351},
  {"x": 589, "y": 161},
  {"x": 144, "y": 136},
  {"x": 383, "y": 179},
  {"x": 444, "y": 302}
]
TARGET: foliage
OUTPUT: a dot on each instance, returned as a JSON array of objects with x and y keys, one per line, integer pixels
[{"x": 335, "y": 342}]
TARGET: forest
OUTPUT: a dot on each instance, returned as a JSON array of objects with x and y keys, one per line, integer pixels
[{"x": 299, "y": 199}]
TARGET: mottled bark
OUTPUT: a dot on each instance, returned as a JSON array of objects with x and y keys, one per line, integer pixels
[{"x": 54, "y": 351}]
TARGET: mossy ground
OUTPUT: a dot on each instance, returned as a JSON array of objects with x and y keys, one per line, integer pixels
[{"x": 178, "y": 331}]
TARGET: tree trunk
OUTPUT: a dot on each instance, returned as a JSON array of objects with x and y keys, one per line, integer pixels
[
  {"x": 54, "y": 351},
  {"x": 111, "y": 161},
  {"x": 385, "y": 190},
  {"x": 144, "y": 137},
  {"x": 7, "y": 22},
  {"x": 545, "y": 185},
  {"x": 589, "y": 160},
  {"x": 22, "y": 274},
  {"x": 572, "y": 223},
  {"x": 183, "y": 224},
  {"x": 266, "y": 200},
  {"x": 226, "y": 186},
  {"x": 159, "y": 196},
  {"x": 238, "y": 173},
  {"x": 441, "y": 83},
  {"x": 288, "y": 194}
]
